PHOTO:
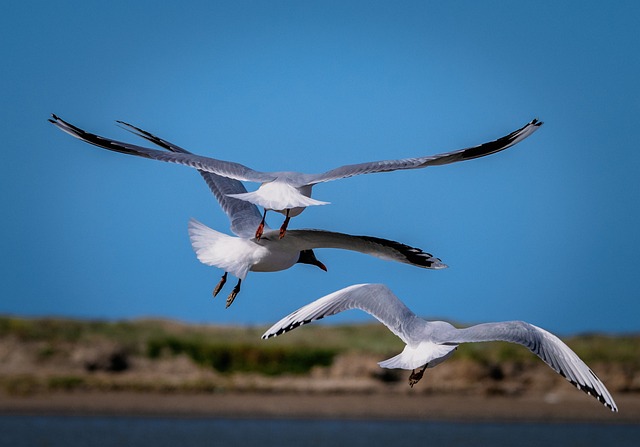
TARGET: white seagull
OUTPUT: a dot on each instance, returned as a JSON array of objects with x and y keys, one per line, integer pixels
[
  {"x": 244, "y": 253},
  {"x": 429, "y": 343},
  {"x": 289, "y": 193}
]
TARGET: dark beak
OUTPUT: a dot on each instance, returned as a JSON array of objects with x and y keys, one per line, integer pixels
[{"x": 309, "y": 257}]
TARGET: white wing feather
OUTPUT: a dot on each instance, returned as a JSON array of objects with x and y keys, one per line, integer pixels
[
  {"x": 375, "y": 299},
  {"x": 553, "y": 351}
]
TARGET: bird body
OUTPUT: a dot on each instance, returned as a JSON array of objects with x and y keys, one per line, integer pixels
[{"x": 429, "y": 343}]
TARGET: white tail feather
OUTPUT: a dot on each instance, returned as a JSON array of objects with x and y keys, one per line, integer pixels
[
  {"x": 415, "y": 357},
  {"x": 212, "y": 248},
  {"x": 277, "y": 197}
]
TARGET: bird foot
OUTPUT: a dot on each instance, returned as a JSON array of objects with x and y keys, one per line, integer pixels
[
  {"x": 220, "y": 285},
  {"x": 259, "y": 231},
  {"x": 285, "y": 224},
  {"x": 416, "y": 376},
  {"x": 233, "y": 294}
]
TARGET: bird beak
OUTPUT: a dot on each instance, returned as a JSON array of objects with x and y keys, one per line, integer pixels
[
  {"x": 320, "y": 265},
  {"x": 309, "y": 257}
]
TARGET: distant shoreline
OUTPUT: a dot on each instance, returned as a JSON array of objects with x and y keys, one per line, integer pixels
[{"x": 355, "y": 406}]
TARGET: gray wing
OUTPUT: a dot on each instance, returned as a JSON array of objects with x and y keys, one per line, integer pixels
[
  {"x": 244, "y": 216},
  {"x": 553, "y": 351},
  {"x": 225, "y": 168},
  {"x": 380, "y": 248},
  {"x": 432, "y": 160},
  {"x": 375, "y": 299}
]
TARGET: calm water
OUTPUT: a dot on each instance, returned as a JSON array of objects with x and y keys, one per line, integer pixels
[{"x": 18, "y": 431}]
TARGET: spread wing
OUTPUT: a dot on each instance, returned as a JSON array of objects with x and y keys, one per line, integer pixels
[
  {"x": 553, "y": 351},
  {"x": 378, "y": 247},
  {"x": 225, "y": 168},
  {"x": 422, "y": 162},
  {"x": 375, "y": 299}
]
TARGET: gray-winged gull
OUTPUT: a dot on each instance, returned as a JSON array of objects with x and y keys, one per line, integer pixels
[{"x": 429, "y": 343}]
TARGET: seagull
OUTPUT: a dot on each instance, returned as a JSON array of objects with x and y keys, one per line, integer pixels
[
  {"x": 243, "y": 253},
  {"x": 270, "y": 253},
  {"x": 429, "y": 343},
  {"x": 286, "y": 192}
]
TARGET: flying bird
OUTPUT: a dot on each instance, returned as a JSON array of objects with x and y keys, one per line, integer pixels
[
  {"x": 429, "y": 343},
  {"x": 238, "y": 255},
  {"x": 243, "y": 253},
  {"x": 288, "y": 192}
]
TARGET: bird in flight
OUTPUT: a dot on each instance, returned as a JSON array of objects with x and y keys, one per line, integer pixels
[
  {"x": 289, "y": 192},
  {"x": 429, "y": 343},
  {"x": 244, "y": 252}
]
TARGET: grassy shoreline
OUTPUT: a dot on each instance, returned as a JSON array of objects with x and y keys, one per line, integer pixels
[{"x": 53, "y": 357}]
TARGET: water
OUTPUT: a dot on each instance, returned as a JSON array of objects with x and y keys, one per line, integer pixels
[{"x": 54, "y": 431}]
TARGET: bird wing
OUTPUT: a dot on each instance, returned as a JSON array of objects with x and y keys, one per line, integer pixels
[
  {"x": 421, "y": 162},
  {"x": 244, "y": 216},
  {"x": 553, "y": 351},
  {"x": 375, "y": 299},
  {"x": 225, "y": 168},
  {"x": 380, "y": 248}
]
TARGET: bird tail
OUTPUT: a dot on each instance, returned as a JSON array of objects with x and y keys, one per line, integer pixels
[
  {"x": 202, "y": 237},
  {"x": 212, "y": 248},
  {"x": 285, "y": 197},
  {"x": 422, "y": 354}
]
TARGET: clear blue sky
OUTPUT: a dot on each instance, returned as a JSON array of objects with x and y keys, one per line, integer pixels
[{"x": 546, "y": 232}]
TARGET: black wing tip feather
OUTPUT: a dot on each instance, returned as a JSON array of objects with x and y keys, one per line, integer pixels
[
  {"x": 290, "y": 327},
  {"x": 499, "y": 144},
  {"x": 94, "y": 139},
  {"x": 147, "y": 136},
  {"x": 413, "y": 255},
  {"x": 591, "y": 391},
  {"x": 535, "y": 122}
]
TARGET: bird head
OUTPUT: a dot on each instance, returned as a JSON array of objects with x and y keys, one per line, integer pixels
[{"x": 309, "y": 257}]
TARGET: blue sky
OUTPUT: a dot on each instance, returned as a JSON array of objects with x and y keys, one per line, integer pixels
[{"x": 545, "y": 232}]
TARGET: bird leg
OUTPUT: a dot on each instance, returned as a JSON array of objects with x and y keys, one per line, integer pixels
[
  {"x": 416, "y": 375},
  {"x": 219, "y": 286},
  {"x": 260, "y": 229},
  {"x": 283, "y": 228},
  {"x": 233, "y": 294}
]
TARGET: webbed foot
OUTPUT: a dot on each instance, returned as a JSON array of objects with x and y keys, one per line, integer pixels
[
  {"x": 417, "y": 375},
  {"x": 220, "y": 285},
  {"x": 233, "y": 294}
]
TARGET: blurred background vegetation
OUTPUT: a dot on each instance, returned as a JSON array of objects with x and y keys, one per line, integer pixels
[{"x": 30, "y": 347}]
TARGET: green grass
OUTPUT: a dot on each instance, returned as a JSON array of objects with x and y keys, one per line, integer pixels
[
  {"x": 243, "y": 357},
  {"x": 239, "y": 348}
]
